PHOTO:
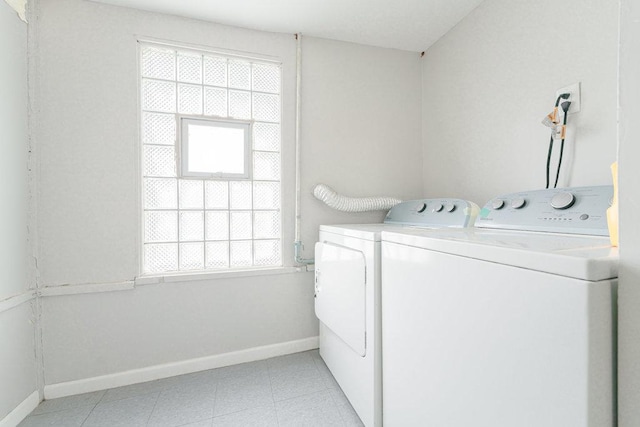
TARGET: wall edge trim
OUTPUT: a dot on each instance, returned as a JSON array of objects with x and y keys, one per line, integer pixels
[
  {"x": 21, "y": 411},
  {"x": 155, "y": 372},
  {"x": 184, "y": 277},
  {"x": 85, "y": 288},
  {"x": 16, "y": 300}
]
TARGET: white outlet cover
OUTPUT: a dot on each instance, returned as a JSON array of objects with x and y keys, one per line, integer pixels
[{"x": 574, "y": 90}]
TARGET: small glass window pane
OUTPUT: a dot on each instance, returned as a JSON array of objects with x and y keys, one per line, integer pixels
[
  {"x": 160, "y": 257},
  {"x": 266, "y": 195},
  {"x": 214, "y": 148},
  {"x": 190, "y": 68},
  {"x": 240, "y": 225},
  {"x": 217, "y": 194},
  {"x": 159, "y": 161},
  {"x": 266, "y": 137},
  {"x": 217, "y": 225},
  {"x": 189, "y": 99},
  {"x": 161, "y": 226},
  {"x": 266, "y": 166},
  {"x": 158, "y": 96},
  {"x": 239, "y": 104},
  {"x": 160, "y": 193},
  {"x": 215, "y": 101},
  {"x": 191, "y": 256},
  {"x": 191, "y": 226},
  {"x": 266, "y": 225},
  {"x": 266, "y": 107},
  {"x": 239, "y": 75},
  {"x": 158, "y": 129},
  {"x": 191, "y": 194},
  {"x": 217, "y": 254},
  {"x": 241, "y": 255},
  {"x": 240, "y": 194},
  {"x": 267, "y": 252},
  {"x": 158, "y": 63},
  {"x": 215, "y": 71},
  {"x": 266, "y": 78}
]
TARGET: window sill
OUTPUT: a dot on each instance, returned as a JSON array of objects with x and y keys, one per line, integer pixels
[{"x": 214, "y": 275}]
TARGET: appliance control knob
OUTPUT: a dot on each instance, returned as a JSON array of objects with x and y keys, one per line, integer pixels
[
  {"x": 497, "y": 204},
  {"x": 438, "y": 207},
  {"x": 563, "y": 200},
  {"x": 518, "y": 203},
  {"x": 450, "y": 207},
  {"x": 421, "y": 207}
]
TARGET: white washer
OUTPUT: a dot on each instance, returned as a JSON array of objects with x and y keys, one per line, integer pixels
[
  {"x": 500, "y": 327},
  {"x": 347, "y": 296}
]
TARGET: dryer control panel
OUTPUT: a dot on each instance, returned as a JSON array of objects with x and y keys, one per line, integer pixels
[
  {"x": 434, "y": 213},
  {"x": 577, "y": 210}
]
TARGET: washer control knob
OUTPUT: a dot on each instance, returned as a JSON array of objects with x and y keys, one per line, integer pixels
[
  {"x": 450, "y": 207},
  {"x": 518, "y": 203},
  {"x": 437, "y": 208},
  {"x": 421, "y": 207},
  {"x": 563, "y": 200},
  {"x": 497, "y": 204}
]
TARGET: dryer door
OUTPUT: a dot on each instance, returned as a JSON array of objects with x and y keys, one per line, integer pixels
[{"x": 340, "y": 292}]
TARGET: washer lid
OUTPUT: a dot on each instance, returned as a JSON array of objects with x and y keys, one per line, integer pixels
[{"x": 581, "y": 257}]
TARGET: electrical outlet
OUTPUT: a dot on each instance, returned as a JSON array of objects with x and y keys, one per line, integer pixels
[{"x": 574, "y": 90}]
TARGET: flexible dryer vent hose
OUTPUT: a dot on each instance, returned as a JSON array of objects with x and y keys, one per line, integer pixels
[{"x": 325, "y": 194}]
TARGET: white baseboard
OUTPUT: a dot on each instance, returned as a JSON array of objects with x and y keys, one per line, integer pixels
[
  {"x": 21, "y": 411},
  {"x": 166, "y": 370}
]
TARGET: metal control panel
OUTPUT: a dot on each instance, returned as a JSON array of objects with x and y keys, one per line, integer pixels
[
  {"x": 434, "y": 213},
  {"x": 577, "y": 210}
]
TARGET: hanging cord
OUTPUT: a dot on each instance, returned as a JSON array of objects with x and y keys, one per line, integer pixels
[
  {"x": 565, "y": 108},
  {"x": 552, "y": 120},
  {"x": 549, "y": 158}
]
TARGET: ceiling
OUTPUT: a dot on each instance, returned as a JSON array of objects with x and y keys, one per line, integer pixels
[{"x": 412, "y": 25}]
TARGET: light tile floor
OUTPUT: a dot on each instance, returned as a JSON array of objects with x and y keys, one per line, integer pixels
[{"x": 293, "y": 390}]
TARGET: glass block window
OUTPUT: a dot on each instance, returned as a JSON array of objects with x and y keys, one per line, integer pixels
[{"x": 225, "y": 212}]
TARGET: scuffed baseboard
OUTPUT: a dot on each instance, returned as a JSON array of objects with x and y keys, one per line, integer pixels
[
  {"x": 166, "y": 370},
  {"x": 21, "y": 411}
]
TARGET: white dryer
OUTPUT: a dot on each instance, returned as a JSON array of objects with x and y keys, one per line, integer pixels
[
  {"x": 509, "y": 324},
  {"x": 347, "y": 295}
]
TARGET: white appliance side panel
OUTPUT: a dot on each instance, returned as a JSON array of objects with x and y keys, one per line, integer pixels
[
  {"x": 355, "y": 375},
  {"x": 340, "y": 292},
  {"x": 360, "y": 378},
  {"x": 473, "y": 343}
]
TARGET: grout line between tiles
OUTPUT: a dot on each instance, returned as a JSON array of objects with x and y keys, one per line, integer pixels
[
  {"x": 337, "y": 407},
  {"x": 153, "y": 409},
  {"x": 273, "y": 398},
  {"x": 92, "y": 409}
]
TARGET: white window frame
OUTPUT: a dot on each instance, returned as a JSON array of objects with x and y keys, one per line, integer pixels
[{"x": 183, "y": 143}]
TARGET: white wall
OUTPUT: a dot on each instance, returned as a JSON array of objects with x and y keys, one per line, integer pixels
[
  {"x": 17, "y": 353},
  {"x": 360, "y": 128},
  {"x": 629, "y": 153},
  {"x": 17, "y": 357},
  {"x": 87, "y": 138},
  {"x": 13, "y": 161},
  {"x": 86, "y": 132},
  {"x": 488, "y": 83},
  {"x": 98, "y": 334}
]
